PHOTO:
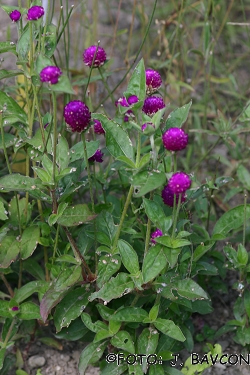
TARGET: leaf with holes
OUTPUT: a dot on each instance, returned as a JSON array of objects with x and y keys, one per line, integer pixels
[
  {"x": 10, "y": 248},
  {"x": 123, "y": 340},
  {"x": 169, "y": 329}
]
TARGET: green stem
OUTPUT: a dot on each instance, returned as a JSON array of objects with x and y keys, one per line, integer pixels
[
  {"x": 245, "y": 218},
  {"x": 89, "y": 174},
  {"x": 65, "y": 23},
  {"x": 54, "y": 137},
  {"x": 176, "y": 213},
  {"x": 10, "y": 290},
  {"x": 8, "y": 334},
  {"x": 175, "y": 162},
  {"x": 147, "y": 240},
  {"x": 138, "y": 53},
  {"x": 45, "y": 27},
  {"x": 39, "y": 115}
]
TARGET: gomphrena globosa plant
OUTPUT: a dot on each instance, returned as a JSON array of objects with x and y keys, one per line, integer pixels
[{"x": 96, "y": 236}]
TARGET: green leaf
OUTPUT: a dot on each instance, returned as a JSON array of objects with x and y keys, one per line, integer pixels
[
  {"x": 123, "y": 340},
  {"x": 29, "y": 289},
  {"x": 107, "y": 266},
  {"x": 9, "y": 139},
  {"x": 244, "y": 176},
  {"x": 62, "y": 153},
  {"x": 129, "y": 257},
  {"x": 50, "y": 40},
  {"x": 33, "y": 268},
  {"x": 154, "y": 262},
  {"x": 114, "y": 327},
  {"x": 102, "y": 335},
  {"x": 94, "y": 327},
  {"x": 116, "y": 287},
  {"x": 70, "y": 308},
  {"x": 188, "y": 288},
  {"x": 129, "y": 314},
  {"x": 2, "y": 355},
  {"x": 3, "y": 212},
  {"x": 76, "y": 152},
  {"x": 153, "y": 313},
  {"x": 157, "y": 370},
  {"x": 63, "y": 85},
  {"x": 17, "y": 182},
  {"x": 146, "y": 181},
  {"x": 156, "y": 119},
  {"x": 29, "y": 241},
  {"x": 9, "y": 73},
  {"x": 7, "y": 47},
  {"x": 137, "y": 82},
  {"x": 177, "y": 117},
  {"x": 232, "y": 219},
  {"x": 29, "y": 311},
  {"x": 154, "y": 211},
  {"x": 91, "y": 354},
  {"x": 169, "y": 329},
  {"x": 10, "y": 248},
  {"x": 23, "y": 44},
  {"x": 10, "y": 107},
  {"x": 75, "y": 215},
  {"x": 247, "y": 302},
  {"x": 104, "y": 311},
  {"x": 144, "y": 160},
  {"x": 113, "y": 369},
  {"x": 41, "y": 63},
  {"x": 201, "y": 250},
  {"x": 147, "y": 343},
  {"x": 127, "y": 161},
  {"x": 5, "y": 310},
  {"x": 74, "y": 332},
  {"x": 60, "y": 286},
  {"x": 117, "y": 140},
  {"x": 49, "y": 341},
  {"x": 21, "y": 372},
  {"x": 175, "y": 243},
  {"x": 231, "y": 255},
  {"x": 242, "y": 256}
]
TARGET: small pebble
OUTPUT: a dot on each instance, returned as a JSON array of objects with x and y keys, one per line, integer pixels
[{"x": 36, "y": 361}]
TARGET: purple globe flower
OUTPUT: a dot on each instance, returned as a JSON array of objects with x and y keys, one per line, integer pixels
[
  {"x": 35, "y": 12},
  {"x": 152, "y": 105},
  {"x": 98, "y": 157},
  {"x": 98, "y": 129},
  {"x": 168, "y": 196},
  {"x": 179, "y": 182},
  {"x": 50, "y": 74},
  {"x": 124, "y": 102},
  {"x": 100, "y": 57},
  {"x": 153, "y": 81},
  {"x": 175, "y": 139},
  {"x": 157, "y": 233},
  {"x": 15, "y": 308},
  {"x": 77, "y": 116},
  {"x": 15, "y": 15}
]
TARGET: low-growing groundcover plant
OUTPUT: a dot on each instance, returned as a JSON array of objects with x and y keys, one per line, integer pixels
[{"x": 125, "y": 270}]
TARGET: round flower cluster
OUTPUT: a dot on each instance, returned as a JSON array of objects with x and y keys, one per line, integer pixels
[
  {"x": 15, "y": 15},
  {"x": 35, "y": 12},
  {"x": 77, "y": 116},
  {"x": 98, "y": 129},
  {"x": 98, "y": 157},
  {"x": 127, "y": 102},
  {"x": 157, "y": 233},
  {"x": 90, "y": 54},
  {"x": 175, "y": 139},
  {"x": 153, "y": 81},
  {"x": 50, "y": 74},
  {"x": 152, "y": 105}
]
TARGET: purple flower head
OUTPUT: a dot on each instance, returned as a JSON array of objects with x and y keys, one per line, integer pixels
[
  {"x": 153, "y": 81},
  {"x": 98, "y": 129},
  {"x": 50, "y": 74},
  {"x": 15, "y": 308},
  {"x": 175, "y": 139},
  {"x": 157, "y": 233},
  {"x": 124, "y": 102},
  {"x": 77, "y": 116},
  {"x": 35, "y": 12},
  {"x": 98, "y": 157},
  {"x": 168, "y": 196},
  {"x": 15, "y": 15},
  {"x": 179, "y": 182},
  {"x": 100, "y": 56},
  {"x": 152, "y": 105}
]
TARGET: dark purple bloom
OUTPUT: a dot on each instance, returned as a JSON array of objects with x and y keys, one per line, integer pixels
[
  {"x": 175, "y": 139},
  {"x": 77, "y": 116},
  {"x": 152, "y": 105},
  {"x": 157, "y": 233},
  {"x": 50, "y": 74},
  {"x": 179, "y": 182},
  {"x": 15, "y": 15},
  {"x": 153, "y": 81},
  {"x": 15, "y": 308},
  {"x": 98, "y": 157},
  {"x": 168, "y": 196},
  {"x": 124, "y": 102},
  {"x": 98, "y": 129},
  {"x": 35, "y": 12},
  {"x": 100, "y": 56}
]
